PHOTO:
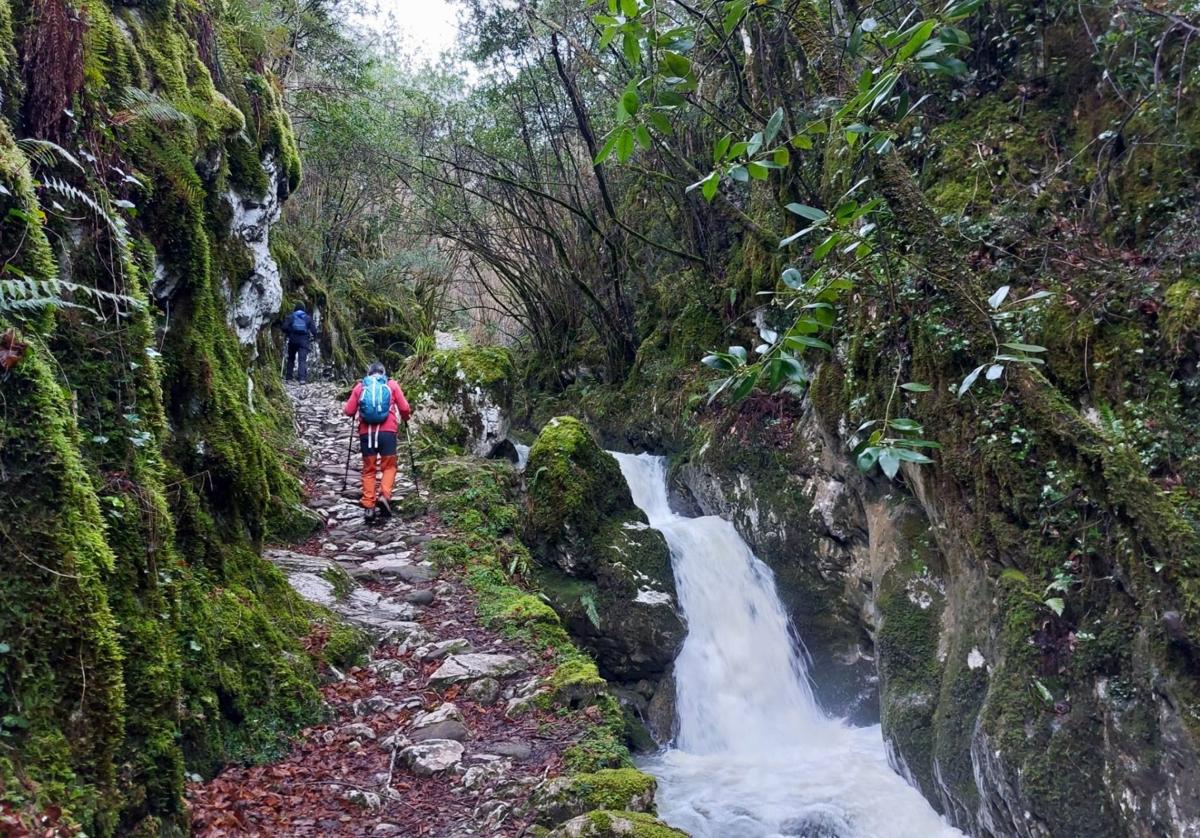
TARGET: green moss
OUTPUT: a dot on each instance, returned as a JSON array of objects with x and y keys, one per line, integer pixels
[
  {"x": 614, "y": 788},
  {"x": 346, "y": 646},
  {"x": 575, "y": 683},
  {"x": 601, "y": 746},
  {"x": 603, "y": 824},
  {"x": 1181, "y": 312},
  {"x": 488, "y": 559},
  {"x": 487, "y": 367},
  {"x": 573, "y": 483},
  {"x": 54, "y": 606}
]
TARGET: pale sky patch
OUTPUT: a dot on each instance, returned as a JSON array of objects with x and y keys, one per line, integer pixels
[{"x": 427, "y": 28}]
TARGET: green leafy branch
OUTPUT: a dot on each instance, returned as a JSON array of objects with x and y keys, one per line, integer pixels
[{"x": 1007, "y": 352}]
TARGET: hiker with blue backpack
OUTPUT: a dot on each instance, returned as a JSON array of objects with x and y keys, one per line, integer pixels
[
  {"x": 381, "y": 407},
  {"x": 299, "y": 329}
]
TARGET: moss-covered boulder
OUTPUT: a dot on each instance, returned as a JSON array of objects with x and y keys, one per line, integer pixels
[
  {"x": 575, "y": 488},
  {"x": 605, "y": 571},
  {"x": 464, "y": 398},
  {"x": 615, "y": 824},
  {"x": 622, "y": 789}
]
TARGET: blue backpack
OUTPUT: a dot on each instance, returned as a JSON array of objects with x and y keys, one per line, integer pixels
[
  {"x": 375, "y": 403},
  {"x": 298, "y": 325}
]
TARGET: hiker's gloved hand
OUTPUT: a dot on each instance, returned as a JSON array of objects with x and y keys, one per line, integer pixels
[{"x": 405, "y": 415}]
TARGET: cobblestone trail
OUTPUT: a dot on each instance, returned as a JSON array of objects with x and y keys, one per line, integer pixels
[{"x": 420, "y": 740}]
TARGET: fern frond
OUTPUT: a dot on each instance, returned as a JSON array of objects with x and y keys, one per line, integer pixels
[
  {"x": 46, "y": 153},
  {"x": 142, "y": 104},
  {"x": 34, "y": 295},
  {"x": 100, "y": 206}
]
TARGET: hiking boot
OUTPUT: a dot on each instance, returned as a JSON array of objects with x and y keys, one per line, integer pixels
[
  {"x": 371, "y": 516},
  {"x": 385, "y": 507}
]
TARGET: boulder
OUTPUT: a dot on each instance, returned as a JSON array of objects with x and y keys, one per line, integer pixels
[
  {"x": 434, "y": 756},
  {"x": 483, "y": 692},
  {"x": 561, "y": 798},
  {"x": 446, "y": 722},
  {"x": 473, "y": 666},
  {"x": 604, "y": 569},
  {"x": 433, "y": 651},
  {"x": 466, "y": 398},
  {"x": 451, "y": 729},
  {"x": 607, "y": 824}
]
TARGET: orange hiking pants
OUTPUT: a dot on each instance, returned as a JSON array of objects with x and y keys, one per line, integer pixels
[
  {"x": 378, "y": 451},
  {"x": 385, "y": 463}
]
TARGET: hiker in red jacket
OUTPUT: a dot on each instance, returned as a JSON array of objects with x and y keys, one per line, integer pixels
[{"x": 385, "y": 406}]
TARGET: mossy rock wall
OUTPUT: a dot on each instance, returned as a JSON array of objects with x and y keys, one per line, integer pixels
[{"x": 142, "y": 635}]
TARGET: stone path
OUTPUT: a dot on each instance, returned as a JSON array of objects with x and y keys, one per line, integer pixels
[{"x": 422, "y": 740}]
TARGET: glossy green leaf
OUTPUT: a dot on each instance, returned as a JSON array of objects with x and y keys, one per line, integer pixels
[
  {"x": 624, "y": 145},
  {"x": 607, "y": 148},
  {"x": 889, "y": 462},
  {"x": 805, "y": 211},
  {"x": 773, "y": 126},
  {"x": 970, "y": 379},
  {"x": 806, "y": 341},
  {"x": 721, "y": 148}
]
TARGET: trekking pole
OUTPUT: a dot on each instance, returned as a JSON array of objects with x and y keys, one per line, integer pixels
[
  {"x": 349, "y": 454},
  {"x": 412, "y": 463}
]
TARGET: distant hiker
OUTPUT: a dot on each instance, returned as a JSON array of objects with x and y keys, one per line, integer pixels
[
  {"x": 300, "y": 329},
  {"x": 381, "y": 406}
]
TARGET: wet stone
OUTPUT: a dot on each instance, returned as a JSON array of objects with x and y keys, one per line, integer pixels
[
  {"x": 483, "y": 692},
  {"x": 514, "y": 749},
  {"x": 434, "y": 756},
  {"x": 433, "y": 651},
  {"x": 441, "y": 730},
  {"x": 470, "y": 667}
]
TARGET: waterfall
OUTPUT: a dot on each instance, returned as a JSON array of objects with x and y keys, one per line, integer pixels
[{"x": 754, "y": 756}]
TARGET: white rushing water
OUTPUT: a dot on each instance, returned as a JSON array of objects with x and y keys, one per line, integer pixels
[{"x": 754, "y": 756}]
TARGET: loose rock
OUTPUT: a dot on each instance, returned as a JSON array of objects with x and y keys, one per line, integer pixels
[{"x": 432, "y": 757}]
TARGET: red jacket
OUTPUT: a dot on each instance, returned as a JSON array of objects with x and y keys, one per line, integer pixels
[{"x": 399, "y": 405}]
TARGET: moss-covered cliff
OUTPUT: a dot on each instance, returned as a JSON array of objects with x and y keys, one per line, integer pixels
[{"x": 140, "y": 469}]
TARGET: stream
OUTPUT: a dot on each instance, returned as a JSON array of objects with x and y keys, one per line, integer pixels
[{"x": 754, "y": 756}]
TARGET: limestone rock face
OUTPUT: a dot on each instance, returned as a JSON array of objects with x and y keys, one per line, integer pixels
[
  {"x": 606, "y": 572},
  {"x": 255, "y": 299}
]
